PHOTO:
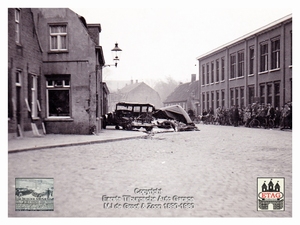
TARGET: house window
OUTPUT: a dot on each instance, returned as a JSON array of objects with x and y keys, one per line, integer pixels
[
  {"x": 231, "y": 97},
  {"x": 262, "y": 93},
  {"x": 236, "y": 96},
  {"x": 232, "y": 66},
  {"x": 275, "y": 60},
  {"x": 269, "y": 94},
  {"x": 242, "y": 94},
  {"x": 203, "y": 74},
  {"x": 277, "y": 94},
  {"x": 251, "y": 94},
  {"x": 240, "y": 64},
  {"x": 218, "y": 99},
  {"x": 58, "y": 96},
  {"x": 207, "y": 100},
  {"x": 34, "y": 97},
  {"x": 18, "y": 77},
  {"x": 263, "y": 57},
  {"x": 203, "y": 101},
  {"x": 17, "y": 25},
  {"x": 223, "y": 69},
  {"x": 217, "y": 71},
  {"x": 212, "y": 100},
  {"x": 212, "y": 72},
  {"x": 58, "y": 37},
  {"x": 223, "y": 98},
  {"x": 207, "y": 74},
  {"x": 251, "y": 60}
]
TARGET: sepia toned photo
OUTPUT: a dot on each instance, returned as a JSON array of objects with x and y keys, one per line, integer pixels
[{"x": 150, "y": 112}]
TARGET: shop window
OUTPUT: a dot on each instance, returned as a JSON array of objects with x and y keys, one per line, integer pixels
[{"x": 58, "y": 96}]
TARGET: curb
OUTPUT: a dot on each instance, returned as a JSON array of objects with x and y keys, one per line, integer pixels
[{"x": 72, "y": 144}]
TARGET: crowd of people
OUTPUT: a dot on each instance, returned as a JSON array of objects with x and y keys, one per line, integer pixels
[{"x": 264, "y": 115}]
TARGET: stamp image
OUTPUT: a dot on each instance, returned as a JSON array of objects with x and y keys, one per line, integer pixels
[
  {"x": 34, "y": 194},
  {"x": 270, "y": 193}
]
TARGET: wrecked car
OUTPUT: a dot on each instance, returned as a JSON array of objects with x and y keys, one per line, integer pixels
[
  {"x": 129, "y": 115},
  {"x": 23, "y": 191},
  {"x": 175, "y": 117}
]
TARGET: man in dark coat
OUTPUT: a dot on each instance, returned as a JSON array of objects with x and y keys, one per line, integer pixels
[{"x": 236, "y": 116}]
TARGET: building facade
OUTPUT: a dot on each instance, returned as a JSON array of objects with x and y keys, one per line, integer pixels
[
  {"x": 254, "y": 68},
  {"x": 24, "y": 74},
  {"x": 61, "y": 76}
]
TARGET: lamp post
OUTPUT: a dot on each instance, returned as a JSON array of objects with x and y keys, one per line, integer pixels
[
  {"x": 116, "y": 51},
  {"x": 99, "y": 90}
]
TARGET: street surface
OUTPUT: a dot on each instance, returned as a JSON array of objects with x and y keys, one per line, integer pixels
[{"x": 217, "y": 167}]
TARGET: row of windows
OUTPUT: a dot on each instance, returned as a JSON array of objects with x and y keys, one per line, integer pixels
[
  {"x": 57, "y": 93},
  {"x": 219, "y": 71},
  {"x": 215, "y": 71},
  {"x": 268, "y": 93}
]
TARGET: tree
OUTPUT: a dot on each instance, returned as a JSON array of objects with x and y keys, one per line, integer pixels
[{"x": 165, "y": 88}]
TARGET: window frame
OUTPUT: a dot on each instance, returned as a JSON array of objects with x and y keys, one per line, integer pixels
[
  {"x": 217, "y": 70},
  {"x": 207, "y": 73},
  {"x": 59, "y": 36},
  {"x": 34, "y": 96},
  {"x": 17, "y": 26},
  {"x": 203, "y": 74},
  {"x": 212, "y": 68},
  {"x": 241, "y": 63},
  {"x": 63, "y": 87},
  {"x": 275, "y": 53},
  {"x": 251, "y": 60},
  {"x": 222, "y": 68},
  {"x": 264, "y": 57},
  {"x": 233, "y": 66}
]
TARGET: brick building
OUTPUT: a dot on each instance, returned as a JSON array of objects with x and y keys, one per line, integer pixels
[
  {"x": 254, "y": 68},
  {"x": 61, "y": 63},
  {"x": 24, "y": 73}
]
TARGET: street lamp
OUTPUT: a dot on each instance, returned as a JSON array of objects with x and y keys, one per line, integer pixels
[{"x": 115, "y": 52}]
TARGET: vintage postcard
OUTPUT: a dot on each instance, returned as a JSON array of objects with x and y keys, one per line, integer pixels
[{"x": 34, "y": 194}]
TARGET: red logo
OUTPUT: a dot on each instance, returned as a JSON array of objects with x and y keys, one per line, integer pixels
[{"x": 270, "y": 195}]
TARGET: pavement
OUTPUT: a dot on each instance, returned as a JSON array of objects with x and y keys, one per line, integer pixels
[{"x": 62, "y": 140}]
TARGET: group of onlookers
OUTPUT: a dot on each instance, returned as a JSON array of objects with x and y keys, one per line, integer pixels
[{"x": 280, "y": 117}]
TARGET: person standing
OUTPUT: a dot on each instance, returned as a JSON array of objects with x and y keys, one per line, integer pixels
[{"x": 236, "y": 116}]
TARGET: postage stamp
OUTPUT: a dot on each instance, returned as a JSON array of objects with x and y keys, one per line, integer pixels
[
  {"x": 270, "y": 193},
  {"x": 34, "y": 194}
]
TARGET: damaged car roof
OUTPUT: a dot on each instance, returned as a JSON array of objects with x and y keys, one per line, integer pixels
[{"x": 175, "y": 112}]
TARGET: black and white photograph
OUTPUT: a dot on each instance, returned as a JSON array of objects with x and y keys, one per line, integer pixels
[{"x": 171, "y": 110}]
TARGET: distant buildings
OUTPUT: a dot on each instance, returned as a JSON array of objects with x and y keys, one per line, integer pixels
[
  {"x": 135, "y": 92},
  {"x": 185, "y": 95},
  {"x": 54, "y": 73},
  {"x": 255, "y": 67}
]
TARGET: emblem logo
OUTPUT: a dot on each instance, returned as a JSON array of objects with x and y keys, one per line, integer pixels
[{"x": 270, "y": 193}]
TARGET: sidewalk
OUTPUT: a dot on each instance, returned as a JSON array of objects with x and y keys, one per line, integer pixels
[{"x": 60, "y": 140}]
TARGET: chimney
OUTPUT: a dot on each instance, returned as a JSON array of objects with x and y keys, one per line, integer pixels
[
  {"x": 94, "y": 31},
  {"x": 193, "y": 77}
]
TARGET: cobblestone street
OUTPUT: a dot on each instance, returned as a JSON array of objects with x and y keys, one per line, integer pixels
[{"x": 218, "y": 166}]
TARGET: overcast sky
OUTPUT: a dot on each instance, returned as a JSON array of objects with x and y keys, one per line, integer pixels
[
  {"x": 164, "y": 38},
  {"x": 157, "y": 42}
]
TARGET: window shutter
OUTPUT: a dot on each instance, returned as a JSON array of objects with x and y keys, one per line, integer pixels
[
  {"x": 10, "y": 105},
  {"x": 29, "y": 86},
  {"x": 39, "y": 94}
]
